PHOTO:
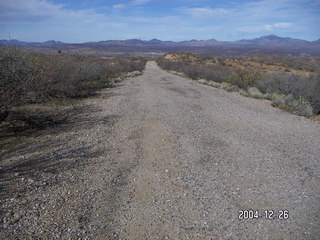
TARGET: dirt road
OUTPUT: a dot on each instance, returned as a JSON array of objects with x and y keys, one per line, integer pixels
[{"x": 163, "y": 157}]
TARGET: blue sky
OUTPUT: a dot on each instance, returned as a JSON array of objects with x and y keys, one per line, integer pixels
[{"x": 95, "y": 20}]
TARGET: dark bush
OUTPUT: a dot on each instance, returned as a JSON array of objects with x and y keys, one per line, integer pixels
[
  {"x": 244, "y": 77},
  {"x": 37, "y": 78},
  {"x": 297, "y": 85},
  {"x": 18, "y": 71}
]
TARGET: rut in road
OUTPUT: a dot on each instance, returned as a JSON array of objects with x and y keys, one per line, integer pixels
[{"x": 180, "y": 161}]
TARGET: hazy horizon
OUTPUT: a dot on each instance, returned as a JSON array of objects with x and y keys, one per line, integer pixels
[
  {"x": 89, "y": 21},
  {"x": 57, "y": 40}
]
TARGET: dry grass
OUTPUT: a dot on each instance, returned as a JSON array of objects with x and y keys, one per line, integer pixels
[
  {"x": 278, "y": 100},
  {"x": 133, "y": 74},
  {"x": 316, "y": 118},
  {"x": 298, "y": 106}
]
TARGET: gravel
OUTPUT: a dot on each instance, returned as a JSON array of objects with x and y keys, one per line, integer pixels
[{"x": 163, "y": 157}]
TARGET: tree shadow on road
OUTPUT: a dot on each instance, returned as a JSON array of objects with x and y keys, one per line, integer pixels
[{"x": 43, "y": 154}]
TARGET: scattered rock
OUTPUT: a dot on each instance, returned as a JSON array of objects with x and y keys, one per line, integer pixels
[
  {"x": 16, "y": 216},
  {"x": 30, "y": 180},
  {"x": 6, "y": 224}
]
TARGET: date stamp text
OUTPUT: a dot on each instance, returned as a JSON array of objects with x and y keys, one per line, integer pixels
[{"x": 263, "y": 214}]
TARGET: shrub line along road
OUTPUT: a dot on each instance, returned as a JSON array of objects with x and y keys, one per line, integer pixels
[{"x": 168, "y": 158}]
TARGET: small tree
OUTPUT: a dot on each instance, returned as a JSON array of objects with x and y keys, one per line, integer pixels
[{"x": 247, "y": 77}]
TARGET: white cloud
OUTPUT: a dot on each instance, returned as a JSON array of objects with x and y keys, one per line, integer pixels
[
  {"x": 36, "y": 11},
  {"x": 38, "y": 20},
  {"x": 130, "y": 4},
  {"x": 272, "y": 27},
  {"x": 282, "y": 25},
  {"x": 264, "y": 28},
  {"x": 204, "y": 11}
]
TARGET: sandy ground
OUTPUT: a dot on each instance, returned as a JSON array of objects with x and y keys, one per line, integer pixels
[{"x": 163, "y": 157}]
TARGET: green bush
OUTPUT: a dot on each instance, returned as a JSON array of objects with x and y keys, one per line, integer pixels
[
  {"x": 203, "y": 81},
  {"x": 255, "y": 93},
  {"x": 214, "y": 84},
  {"x": 246, "y": 77},
  {"x": 225, "y": 85},
  {"x": 233, "y": 88},
  {"x": 243, "y": 92}
]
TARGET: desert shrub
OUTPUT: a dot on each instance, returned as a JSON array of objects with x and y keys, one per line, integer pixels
[
  {"x": 278, "y": 99},
  {"x": 255, "y": 93},
  {"x": 170, "y": 65},
  {"x": 134, "y": 74},
  {"x": 37, "y": 78},
  {"x": 299, "y": 106},
  {"x": 267, "y": 96},
  {"x": 225, "y": 85},
  {"x": 181, "y": 74},
  {"x": 255, "y": 83},
  {"x": 195, "y": 71},
  {"x": 243, "y": 92},
  {"x": 214, "y": 84},
  {"x": 233, "y": 88},
  {"x": 212, "y": 73},
  {"x": 191, "y": 71},
  {"x": 289, "y": 98},
  {"x": 275, "y": 83},
  {"x": 312, "y": 94},
  {"x": 296, "y": 85},
  {"x": 18, "y": 71},
  {"x": 245, "y": 77},
  {"x": 203, "y": 81},
  {"x": 233, "y": 79}
]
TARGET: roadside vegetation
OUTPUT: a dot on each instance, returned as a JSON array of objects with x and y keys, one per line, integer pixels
[
  {"x": 293, "y": 86},
  {"x": 36, "y": 89}
]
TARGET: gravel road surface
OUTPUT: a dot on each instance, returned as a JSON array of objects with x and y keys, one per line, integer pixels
[{"x": 163, "y": 157}]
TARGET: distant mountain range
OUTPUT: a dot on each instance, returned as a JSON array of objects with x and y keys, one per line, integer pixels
[
  {"x": 263, "y": 45},
  {"x": 15, "y": 42},
  {"x": 270, "y": 41}
]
